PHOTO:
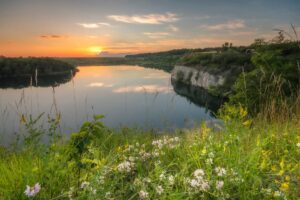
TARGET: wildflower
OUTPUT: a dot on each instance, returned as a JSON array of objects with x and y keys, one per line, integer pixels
[
  {"x": 284, "y": 186},
  {"x": 220, "y": 171},
  {"x": 200, "y": 184},
  {"x": 155, "y": 153},
  {"x": 162, "y": 176},
  {"x": 277, "y": 194},
  {"x": 159, "y": 190},
  {"x": 204, "y": 186},
  {"x": 147, "y": 180},
  {"x": 71, "y": 192},
  {"x": 267, "y": 191},
  {"x": 287, "y": 178},
  {"x": 171, "y": 180},
  {"x": 32, "y": 191},
  {"x": 211, "y": 155},
  {"x": 94, "y": 191},
  {"x": 298, "y": 144},
  {"x": 84, "y": 184},
  {"x": 143, "y": 194},
  {"x": 209, "y": 161},
  {"x": 125, "y": 166},
  {"x": 101, "y": 180},
  {"x": 219, "y": 185},
  {"x": 137, "y": 182},
  {"x": 131, "y": 158},
  {"x": 199, "y": 173},
  {"x": 144, "y": 155},
  {"x": 107, "y": 195},
  {"x": 157, "y": 143},
  {"x": 194, "y": 183}
]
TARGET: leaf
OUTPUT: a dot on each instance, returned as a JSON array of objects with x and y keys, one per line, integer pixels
[{"x": 98, "y": 117}]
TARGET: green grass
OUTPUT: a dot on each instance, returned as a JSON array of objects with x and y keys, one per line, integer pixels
[{"x": 260, "y": 161}]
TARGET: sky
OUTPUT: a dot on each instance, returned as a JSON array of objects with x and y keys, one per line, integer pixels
[{"x": 87, "y": 28}]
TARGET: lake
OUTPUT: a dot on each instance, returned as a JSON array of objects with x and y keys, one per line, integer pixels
[{"x": 128, "y": 96}]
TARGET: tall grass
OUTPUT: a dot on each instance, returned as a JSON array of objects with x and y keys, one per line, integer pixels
[{"x": 240, "y": 162}]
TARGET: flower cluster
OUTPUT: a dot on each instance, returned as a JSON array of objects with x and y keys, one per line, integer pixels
[
  {"x": 32, "y": 191},
  {"x": 125, "y": 166},
  {"x": 199, "y": 183},
  {"x": 220, "y": 171},
  {"x": 169, "y": 142},
  {"x": 143, "y": 194}
]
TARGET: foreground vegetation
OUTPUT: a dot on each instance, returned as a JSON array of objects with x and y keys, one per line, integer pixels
[{"x": 247, "y": 159}]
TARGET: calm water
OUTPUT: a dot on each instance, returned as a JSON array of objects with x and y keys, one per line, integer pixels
[{"x": 129, "y": 96}]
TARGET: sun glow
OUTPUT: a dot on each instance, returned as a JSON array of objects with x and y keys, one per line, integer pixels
[{"x": 95, "y": 49}]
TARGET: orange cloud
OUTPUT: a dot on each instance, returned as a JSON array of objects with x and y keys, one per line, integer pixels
[{"x": 52, "y": 36}]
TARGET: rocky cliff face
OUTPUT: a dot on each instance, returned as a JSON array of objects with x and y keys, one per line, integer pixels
[{"x": 196, "y": 77}]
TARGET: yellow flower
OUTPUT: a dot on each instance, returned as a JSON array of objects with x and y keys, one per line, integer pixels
[
  {"x": 263, "y": 165},
  {"x": 284, "y": 186},
  {"x": 247, "y": 123},
  {"x": 274, "y": 168},
  {"x": 119, "y": 148},
  {"x": 243, "y": 112},
  {"x": 281, "y": 172},
  {"x": 287, "y": 178}
]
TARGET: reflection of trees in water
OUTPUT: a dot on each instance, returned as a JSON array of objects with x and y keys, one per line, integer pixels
[
  {"x": 198, "y": 96},
  {"x": 42, "y": 81}
]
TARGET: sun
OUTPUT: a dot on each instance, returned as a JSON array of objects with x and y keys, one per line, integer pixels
[{"x": 95, "y": 49}]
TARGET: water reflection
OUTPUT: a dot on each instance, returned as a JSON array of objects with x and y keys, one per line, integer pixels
[
  {"x": 143, "y": 89},
  {"x": 43, "y": 81},
  {"x": 129, "y": 96},
  {"x": 198, "y": 96}
]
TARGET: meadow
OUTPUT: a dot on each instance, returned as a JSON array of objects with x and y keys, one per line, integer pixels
[{"x": 246, "y": 159}]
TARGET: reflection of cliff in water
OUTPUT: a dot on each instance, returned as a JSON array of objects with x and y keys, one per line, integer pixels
[
  {"x": 198, "y": 96},
  {"x": 42, "y": 81}
]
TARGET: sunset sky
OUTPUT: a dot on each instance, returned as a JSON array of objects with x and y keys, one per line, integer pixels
[{"x": 70, "y": 28}]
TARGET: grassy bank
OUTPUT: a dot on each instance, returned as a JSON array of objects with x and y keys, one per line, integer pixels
[{"x": 243, "y": 161}]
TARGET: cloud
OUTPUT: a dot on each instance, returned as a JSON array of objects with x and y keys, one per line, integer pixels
[
  {"x": 146, "y": 19},
  {"x": 230, "y": 25},
  {"x": 99, "y": 84},
  {"x": 156, "y": 35},
  {"x": 104, "y": 24},
  {"x": 173, "y": 28},
  {"x": 52, "y": 36},
  {"x": 93, "y": 25},
  {"x": 143, "y": 89}
]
